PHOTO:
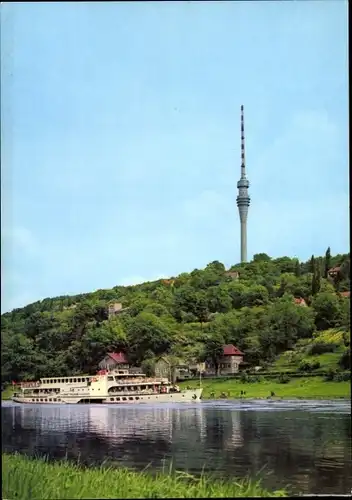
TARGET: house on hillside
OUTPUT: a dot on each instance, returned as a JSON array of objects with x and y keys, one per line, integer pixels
[
  {"x": 346, "y": 294},
  {"x": 232, "y": 274},
  {"x": 333, "y": 272},
  {"x": 167, "y": 368},
  {"x": 229, "y": 362},
  {"x": 197, "y": 368},
  {"x": 114, "y": 361},
  {"x": 299, "y": 301},
  {"x": 115, "y": 308}
]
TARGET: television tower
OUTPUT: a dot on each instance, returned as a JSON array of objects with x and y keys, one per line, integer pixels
[{"x": 243, "y": 199}]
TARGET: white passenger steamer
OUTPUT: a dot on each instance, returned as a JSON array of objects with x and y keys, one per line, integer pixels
[{"x": 112, "y": 387}]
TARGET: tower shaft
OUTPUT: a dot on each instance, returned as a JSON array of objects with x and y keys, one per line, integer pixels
[
  {"x": 243, "y": 241},
  {"x": 243, "y": 199}
]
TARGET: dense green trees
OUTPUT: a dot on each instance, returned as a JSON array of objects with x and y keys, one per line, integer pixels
[{"x": 190, "y": 316}]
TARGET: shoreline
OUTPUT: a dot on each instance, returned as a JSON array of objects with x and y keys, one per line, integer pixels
[
  {"x": 230, "y": 389},
  {"x": 63, "y": 479},
  {"x": 296, "y": 388}
]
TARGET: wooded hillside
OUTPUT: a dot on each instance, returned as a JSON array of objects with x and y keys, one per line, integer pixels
[{"x": 190, "y": 317}]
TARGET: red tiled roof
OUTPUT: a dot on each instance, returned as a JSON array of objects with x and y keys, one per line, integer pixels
[
  {"x": 345, "y": 294},
  {"x": 231, "y": 350},
  {"x": 299, "y": 300},
  {"x": 118, "y": 357}
]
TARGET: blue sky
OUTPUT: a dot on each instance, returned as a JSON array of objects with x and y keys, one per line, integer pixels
[{"x": 121, "y": 138}]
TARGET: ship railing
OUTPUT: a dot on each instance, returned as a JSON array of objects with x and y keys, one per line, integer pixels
[
  {"x": 131, "y": 393},
  {"x": 141, "y": 381},
  {"x": 24, "y": 385}
]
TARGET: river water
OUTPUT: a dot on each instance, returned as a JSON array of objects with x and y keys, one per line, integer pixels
[{"x": 305, "y": 445}]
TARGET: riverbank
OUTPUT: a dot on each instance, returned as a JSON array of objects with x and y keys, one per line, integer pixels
[
  {"x": 7, "y": 393},
  {"x": 302, "y": 388},
  {"x": 296, "y": 388},
  {"x": 24, "y": 478}
]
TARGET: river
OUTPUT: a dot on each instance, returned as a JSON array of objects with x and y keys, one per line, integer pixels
[{"x": 303, "y": 444}]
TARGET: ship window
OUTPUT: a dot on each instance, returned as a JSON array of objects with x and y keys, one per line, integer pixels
[
  {"x": 70, "y": 380},
  {"x": 112, "y": 399},
  {"x": 50, "y": 399},
  {"x": 33, "y": 399},
  {"x": 46, "y": 399},
  {"x": 137, "y": 397},
  {"x": 58, "y": 399},
  {"x": 110, "y": 379},
  {"x": 117, "y": 399},
  {"x": 130, "y": 398},
  {"x": 41, "y": 399},
  {"x": 55, "y": 399},
  {"x": 124, "y": 399},
  {"x": 74, "y": 380}
]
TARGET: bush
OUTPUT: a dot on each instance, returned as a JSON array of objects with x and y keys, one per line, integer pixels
[
  {"x": 283, "y": 379},
  {"x": 331, "y": 374},
  {"x": 252, "y": 379},
  {"x": 342, "y": 377},
  {"x": 305, "y": 366},
  {"x": 320, "y": 348},
  {"x": 345, "y": 360},
  {"x": 244, "y": 377}
]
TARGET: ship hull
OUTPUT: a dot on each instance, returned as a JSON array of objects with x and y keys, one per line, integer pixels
[{"x": 187, "y": 396}]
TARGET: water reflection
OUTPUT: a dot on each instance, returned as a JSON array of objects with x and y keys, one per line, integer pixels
[{"x": 309, "y": 449}]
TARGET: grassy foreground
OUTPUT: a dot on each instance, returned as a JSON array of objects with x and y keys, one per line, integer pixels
[
  {"x": 26, "y": 478},
  {"x": 304, "y": 388}
]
